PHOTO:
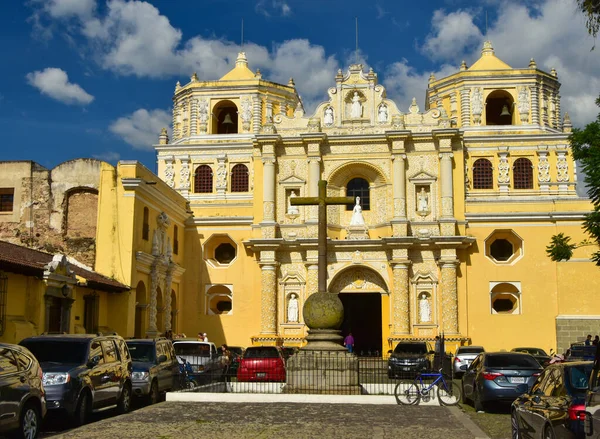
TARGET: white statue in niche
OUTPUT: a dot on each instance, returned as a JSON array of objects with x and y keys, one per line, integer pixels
[
  {"x": 292, "y": 210},
  {"x": 356, "y": 110},
  {"x": 292, "y": 312},
  {"x": 328, "y": 118},
  {"x": 424, "y": 309},
  {"x": 357, "y": 217},
  {"x": 382, "y": 115},
  {"x": 423, "y": 201}
]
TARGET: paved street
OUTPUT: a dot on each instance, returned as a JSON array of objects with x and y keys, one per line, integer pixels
[{"x": 180, "y": 420}]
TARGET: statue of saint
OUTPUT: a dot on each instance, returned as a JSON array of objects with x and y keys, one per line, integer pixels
[
  {"x": 423, "y": 203},
  {"x": 424, "y": 309},
  {"x": 328, "y": 118},
  {"x": 292, "y": 313},
  {"x": 292, "y": 210},
  {"x": 357, "y": 217},
  {"x": 382, "y": 115},
  {"x": 356, "y": 111}
]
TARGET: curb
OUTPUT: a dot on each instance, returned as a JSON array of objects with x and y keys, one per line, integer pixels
[{"x": 468, "y": 423}]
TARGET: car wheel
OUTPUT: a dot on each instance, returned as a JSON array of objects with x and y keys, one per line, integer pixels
[
  {"x": 514, "y": 425},
  {"x": 477, "y": 403},
  {"x": 154, "y": 395},
  {"x": 83, "y": 409},
  {"x": 548, "y": 433},
  {"x": 30, "y": 422},
  {"x": 125, "y": 401},
  {"x": 465, "y": 398}
]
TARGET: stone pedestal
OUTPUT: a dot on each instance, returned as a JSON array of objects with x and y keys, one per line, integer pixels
[
  {"x": 357, "y": 232},
  {"x": 322, "y": 372}
]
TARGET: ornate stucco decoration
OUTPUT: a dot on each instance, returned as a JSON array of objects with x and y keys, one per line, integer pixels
[
  {"x": 58, "y": 275},
  {"x": 161, "y": 245},
  {"x": 169, "y": 173},
  {"x": 221, "y": 181},
  {"x": 476, "y": 105},
  {"x": 202, "y": 115},
  {"x": 358, "y": 278},
  {"x": 523, "y": 104},
  {"x": 246, "y": 114},
  {"x": 184, "y": 175},
  {"x": 503, "y": 171},
  {"x": 562, "y": 166}
]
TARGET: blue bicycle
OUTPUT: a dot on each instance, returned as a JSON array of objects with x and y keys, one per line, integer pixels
[{"x": 409, "y": 392}]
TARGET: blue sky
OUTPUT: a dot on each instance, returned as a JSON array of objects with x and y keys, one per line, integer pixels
[{"x": 95, "y": 78}]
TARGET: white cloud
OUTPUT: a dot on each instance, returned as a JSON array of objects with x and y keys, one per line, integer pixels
[
  {"x": 141, "y": 128},
  {"x": 452, "y": 34},
  {"x": 69, "y": 8},
  {"x": 267, "y": 7},
  {"x": 55, "y": 83},
  {"x": 108, "y": 156}
]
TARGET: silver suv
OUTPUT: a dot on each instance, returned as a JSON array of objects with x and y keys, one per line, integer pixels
[
  {"x": 465, "y": 356},
  {"x": 202, "y": 357}
]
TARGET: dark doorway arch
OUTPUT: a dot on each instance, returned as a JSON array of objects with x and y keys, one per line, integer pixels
[{"x": 362, "y": 317}]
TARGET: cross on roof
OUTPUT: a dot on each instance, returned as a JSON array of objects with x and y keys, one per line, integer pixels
[{"x": 322, "y": 200}]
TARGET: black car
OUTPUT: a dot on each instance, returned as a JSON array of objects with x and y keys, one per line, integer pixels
[
  {"x": 83, "y": 372},
  {"x": 22, "y": 401},
  {"x": 155, "y": 367},
  {"x": 409, "y": 358},
  {"x": 539, "y": 354},
  {"x": 555, "y": 406}
]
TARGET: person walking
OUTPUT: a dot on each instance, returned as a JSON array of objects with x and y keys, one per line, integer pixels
[
  {"x": 349, "y": 342},
  {"x": 225, "y": 360}
]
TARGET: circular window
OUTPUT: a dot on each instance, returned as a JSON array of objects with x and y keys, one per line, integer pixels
[
  {"x": 501, "y": 249},
  {"x": 225, "y": 253}
]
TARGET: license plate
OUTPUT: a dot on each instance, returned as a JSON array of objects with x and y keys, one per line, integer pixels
[
  {"x": 517, "y": 380},
  {"x": 406, "y": 368},
  {"x": 261, "y": 374}
]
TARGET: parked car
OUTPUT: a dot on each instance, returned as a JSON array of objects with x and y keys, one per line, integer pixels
[
  {"x": 203, "y": 358},
  {"x": 410, "y": 357},
  {"x": 22, "y": 399},
  {"x": 539, "y": 354},
  {"x": 464, "y": 356},
  {"x": 261, "y": 363},
  {"x": 83, "y": 372},
  {"x": 495, "y": 376},
  {"x": 555, "y": 406},
  {"x": 592, "y": 400},
  {"x": 155, "y": 367}
]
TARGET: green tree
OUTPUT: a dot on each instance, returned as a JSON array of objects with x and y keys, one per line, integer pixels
[
  {"x": 591, "y": 10},
  {"x": 585, "y": 144}
]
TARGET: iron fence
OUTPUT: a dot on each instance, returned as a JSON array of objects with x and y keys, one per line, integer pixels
[{"x": 305, "y": 372}]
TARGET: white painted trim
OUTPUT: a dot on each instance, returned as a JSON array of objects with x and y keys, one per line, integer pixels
[
  {"x": 575, "y": 317},
  {"x": 281, "y": 398}
]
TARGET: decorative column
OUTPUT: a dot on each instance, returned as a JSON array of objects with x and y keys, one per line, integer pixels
[
  {"x": 465, "y": 115},
  {"x": 449, "y": 296},
  {"x": 535, "y": 105},
  {"x": 399, "y": 185},
  {"x": 312, "y": 279},
  {"x": 503, "y": 172},
  {"x": 152, "y": 330},
  {"x": 193, "y": 116},
  {"x": 447, "y": 188},
  {"x": 562, "y": 170},
  {"x": 400, "y": 299},
  {"x": 184, "y": 176},
  {"x": 256, "y": 114},
  {"x": 176, "y": 111},
  {"x": 543, "y": 170},
  {"x": 268, "y": 306},
  {"x": 168, "y": 283},
  {"x": 268, "y": 189},
  {"x": 169, "y": 176},
  {"x": 221, "y": 183}
]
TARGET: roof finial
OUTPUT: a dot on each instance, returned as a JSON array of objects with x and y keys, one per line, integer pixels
[
  {"x": 488, "y": 49},
  {"x": 241, "y": 60},
  {"x": 463, "y": 66},
  {"x": 532, "y": 64}
]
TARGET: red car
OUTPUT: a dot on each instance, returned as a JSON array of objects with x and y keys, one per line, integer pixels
[{"x": 261, "y": 363}]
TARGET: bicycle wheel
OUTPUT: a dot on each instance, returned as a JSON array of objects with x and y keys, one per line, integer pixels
[
  {"x": 407, "y": 392},
  {"x": 448, "y": 393}
]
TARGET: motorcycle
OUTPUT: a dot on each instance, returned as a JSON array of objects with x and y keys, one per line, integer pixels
[{"x": 186, "y": 381}]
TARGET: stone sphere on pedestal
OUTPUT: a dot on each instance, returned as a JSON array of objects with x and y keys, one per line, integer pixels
[{"x": 323, "y": 311}]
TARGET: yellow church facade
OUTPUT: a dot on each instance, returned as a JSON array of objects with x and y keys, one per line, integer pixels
[{"x": 457, "y": 204}]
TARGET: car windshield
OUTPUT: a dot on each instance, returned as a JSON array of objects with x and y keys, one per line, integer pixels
[
  {"x": 58, "y": 351},
  {"x": 410, "y": 348},
  {"x": 469, "y": 350},
  {"x": 236, "y": 350},
  {"x": 141, "y": 351},
  {"x": 261, "y": 353},
  {"x": 511, "y": 362},
  {"x": 532, "y": 351},
  {"x": 577, "y": 377},
  {"x": 192, "y": 349}
]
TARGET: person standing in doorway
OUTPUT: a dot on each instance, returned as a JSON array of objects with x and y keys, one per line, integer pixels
[
  {"x": 349, "y": 342},
  {"x": 588, "y": 340}
]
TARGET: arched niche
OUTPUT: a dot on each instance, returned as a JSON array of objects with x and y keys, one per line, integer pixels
[
  {"x": 225, "y": 118},
  {"x": 499, "y": 108}
]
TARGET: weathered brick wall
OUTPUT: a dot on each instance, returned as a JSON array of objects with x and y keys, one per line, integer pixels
[{"x": 572, "y": 330}]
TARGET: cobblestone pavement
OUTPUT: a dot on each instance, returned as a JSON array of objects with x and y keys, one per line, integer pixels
[{"x": 181, "y": 420}]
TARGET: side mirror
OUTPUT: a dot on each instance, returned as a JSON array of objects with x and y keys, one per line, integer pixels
[
  {"x": 162, "y": 358},
  {"x": 522, "y": 388},
  {"x": 93, "y": 362}
]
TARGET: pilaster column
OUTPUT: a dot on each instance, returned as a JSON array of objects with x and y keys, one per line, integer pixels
[
  {"x": 503, "y": 172},
  {"x": 314, "y": 175},
  {"x": 268, "y": 189},
  {"x": 168, "y": 282},
  {"x": 543, "y": 174},
  {"x": 312, "y": 279},
  {"x": 446, "y": 183},
  {"x": 400, "y": 299},
  {"x": 449, "y": 296},
  {"x": 268, "y": 306},
  {"x": 399, "y": 185},
  {"x": 152, "y": 330},
  {"x": 193, "y": 117},
  {"x": 535, "y": 105},
  {"x": 465, "y": 113},
  {"x": 562, "y": 170},
  {"x": 256, "y": 114}
]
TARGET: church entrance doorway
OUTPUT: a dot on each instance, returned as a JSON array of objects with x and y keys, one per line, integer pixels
[{"x": 362, "y": 317}]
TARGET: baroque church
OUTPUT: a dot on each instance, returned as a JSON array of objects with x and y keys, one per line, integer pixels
[{"x": 454, "y": 206}]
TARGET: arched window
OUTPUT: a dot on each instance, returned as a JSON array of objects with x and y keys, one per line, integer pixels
[
  {"x": 203, "y": 179},
  {"x": 359, "y": 187},
  {"x": 146, "y": 225},
  {"x": 239, "y": 178},
  {"x": 499, "y": 108},
  {"x": 523, "y": 174},
  {"x": 483, "y": 174}
]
